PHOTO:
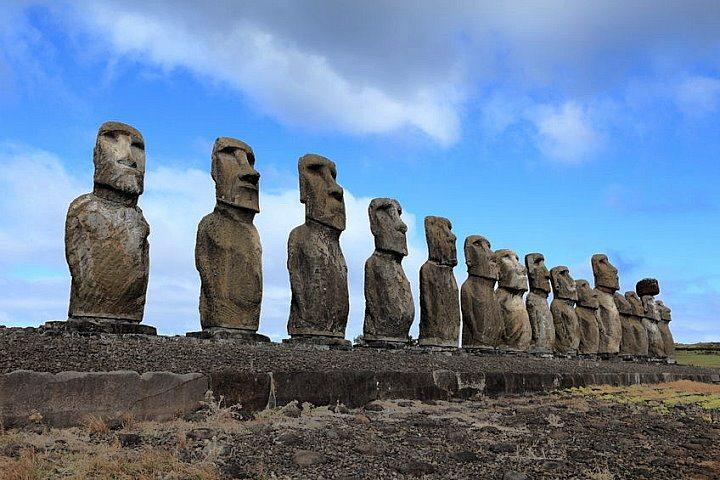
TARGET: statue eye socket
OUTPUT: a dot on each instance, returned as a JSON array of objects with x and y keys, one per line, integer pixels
[{"x": 315, "y": 167}]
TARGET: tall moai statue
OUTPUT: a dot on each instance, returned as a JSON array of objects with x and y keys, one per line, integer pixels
[
  {"x": 641, "y": 333},
  {"x": 106, "y": 239},
  {"x": 318, "y": 273},
  {"x": 606, "y": 284},
  {"x": 629, "y": 347},
  {"x": 439, "y": 302},
  {"x": 586, "y": 310},
  {"x": 664, "y": 326},
  {"x": 389, "y": 307},
  {"x": 567, "y": 326},
  {"x": 482, "y": 325},
  {"x": 646, "y": 289},
  {"x": 512, "y": 284},
  {"x": 228, "y": 253},
  {"x": 536, "y": 302}
]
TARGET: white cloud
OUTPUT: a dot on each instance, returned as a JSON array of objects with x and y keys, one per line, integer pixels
[
  {"x": 698, "y": 95},
  {"x": 35, "y": 282},
  {"x": 565, "y": 132}
]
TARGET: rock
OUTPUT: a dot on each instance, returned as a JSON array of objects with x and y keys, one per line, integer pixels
[
  {"x": 362, "y": 419},
  {"x": 405, "y": 404},
  {"x": 465, "y": 456},
  {"x": 489, "y": 429},
  {"x": 106, "y": 244},
  {"x": 482, "y": 324},
  {"x": 288, "y": 438},
  {"x": 650, "y": 320},
  {"x": 536, "y": 303},
  {"x": 647, "y": 287},
  {"x": 512, "y": 284},
  {"x": 664, "y": 327},
  {"x": 635, "y": 319},
  {"x": 567, "y": 326},
  {"x": 439, "y": 305},
  {"x": 587, "y": 312},
  {"x": 416, "y": 468},
  {"x": 366, "y": 448},
  {"x": 389, "y": 307},
  {"x": 339, "y": 408},
  {"x": 200, "y": 434},
  {"x": 129, "y": 439},
  {"x": 606, "y": 284},
  {"x": 504, "y": 447},
  {"x": 374, "y": 407},
  {"x": 513, "y": 475},
  {"x": 306, "y": 458},
  {"x": 291, "y": 410},
  {"x": 228, "y": 254},
  {"x": 318, "y": 274}
]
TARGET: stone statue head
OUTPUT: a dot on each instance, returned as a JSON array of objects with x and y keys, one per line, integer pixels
[
  {"x": 587, "y": 296},
  {"x": 636, "y": 304},
  {"x": 647, "y": 286},
  {"x": 479, "y": 257},
  {"x": 562, "y": 283},
  {"x": 622, "y": 304},
  {"x": 440, "y": 241},
  {"x": 606, "y": 275},
  {"x": 512, "y": 275},
  {"x": 665, "y": 312},
  {"x": 119, "y": 158},
  {"x": 538, "y": 273},
  {"x": 650, "y": 308},
  {"x": 322, "y": 196},
  {"x": 233, "y": 170},
  {"x": 387, "y": 227}
]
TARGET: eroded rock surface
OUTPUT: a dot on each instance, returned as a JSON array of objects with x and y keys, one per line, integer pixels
[
  {"x": 606, "y": 284},
  {"x": 650, "y": 320},
  {"x": 482, "y": 324},
  {"x": 512, "y": 284},
  {"x": 567, "y": 326},
  {"x": 664, "y": 327},
  {"x": 536, "y": 302},
  {"x": 586, "y": 310},
  {"x": 641, "y": 334}
]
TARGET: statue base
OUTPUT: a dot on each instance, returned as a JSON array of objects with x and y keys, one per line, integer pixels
[
  {"x": 587, "y": 356},
  {"x": 92, "y": 325},
  {"x": 438, "y": 343},
  {"x": 384, "y": 343},
  {"x": 319, "y": 341},
  {"x": 235, "y": 334},
  {"x": 481, "y": 350}
]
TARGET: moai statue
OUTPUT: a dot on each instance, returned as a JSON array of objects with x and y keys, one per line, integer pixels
[
  {"x": 512, "y": 284},
  {"x": 106, "y": 244},
  {"x": 635, "y": 318},
  {"x": 567, "y": 325},
  {"x": 536, "y": 302},
  {"x": 318, "y": 273},
  {"x": 389, "y": 307},
  {"x": 646, "y": 289},
  {"x": 629, "y": 347},
  {"x": 606, "y": 284},
  {"x": 482, "y": 325},
  {"x": 664, "y": 326},
  {"x": 439, "y": 306},
  {"x": 228, "y": 253},
  {"x": 586, "y": 310}
]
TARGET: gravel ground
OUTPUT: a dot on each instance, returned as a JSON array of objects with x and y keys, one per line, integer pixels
[{"x": 31, "y": 349}]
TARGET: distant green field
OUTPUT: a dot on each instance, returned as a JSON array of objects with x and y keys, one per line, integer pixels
[{"x": 697, "y": 359}]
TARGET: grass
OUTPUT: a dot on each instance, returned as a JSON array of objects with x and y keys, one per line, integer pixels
[{"x": 685, "y": 357}]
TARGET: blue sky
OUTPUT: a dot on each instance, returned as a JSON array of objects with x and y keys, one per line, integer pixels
[{"x": 568, "y": 128}]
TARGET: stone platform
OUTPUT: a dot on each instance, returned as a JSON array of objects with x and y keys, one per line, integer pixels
[{"x": 67, "y": 378}]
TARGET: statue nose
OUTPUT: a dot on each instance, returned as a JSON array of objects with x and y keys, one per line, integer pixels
[{"x": 252, "y": 177}]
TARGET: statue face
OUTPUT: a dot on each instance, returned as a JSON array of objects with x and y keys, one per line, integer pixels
[
  {"x": 562, "y": 283},
  {"x": 119, "y": 158},
  {"x": 512, "y": 275},
  {"x": 322, "y": 196},
  {"x": 537, "y": 272},
  {"x": 665, "y": 312},
  {"x": 387, "y": 227},
  {"x": 622, "y": 304},
  {"x": 233, "y": 169},
  {"x": 636, "y": 304},
  {"x": 441, "y": 241},
  {"x": 606, "y": 275},
  {"x": 587, "y": 296},
  {"x": 479, "y": 257},
  {"x": 651, "y": 310}
]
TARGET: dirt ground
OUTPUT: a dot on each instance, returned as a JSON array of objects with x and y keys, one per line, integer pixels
[{"x": 641, "y": 432}]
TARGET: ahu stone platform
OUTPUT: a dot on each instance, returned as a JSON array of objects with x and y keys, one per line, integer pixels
[{"x": 62, "y": 380}]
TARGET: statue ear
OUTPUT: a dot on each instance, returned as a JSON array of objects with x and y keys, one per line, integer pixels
[{"x": 303, "y": 188}]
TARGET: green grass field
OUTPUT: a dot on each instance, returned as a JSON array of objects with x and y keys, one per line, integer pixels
[{"x": 697, "y": 359}]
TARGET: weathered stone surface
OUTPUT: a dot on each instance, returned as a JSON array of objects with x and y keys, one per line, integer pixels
[
  {"x": 567, "y": 326},
  {"x": 106, "y": 233},
  {"x": 647, "y": 286},
  {"x": 512, "y": 284},
  {"x": 536, "y": 302},
  {"x": 482, "y": 325},
  {"x": 650, "y": 320},
  {"x": 318, "y": 273},
  {"x": 228, "y": 254},
  {"x": 641, "y": 334},
  {"x": 439, "y": 302},
  {"x": 664, "y": 327},
  {"x": 628, "y": 343},
  {"x": 586, "y": 310},
  {"x": 389, "y": 307},
  {"x": 606, "y": 284},
  {"x": 69, "y": 398}
]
